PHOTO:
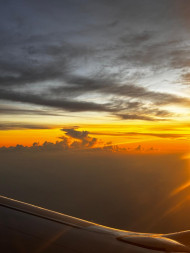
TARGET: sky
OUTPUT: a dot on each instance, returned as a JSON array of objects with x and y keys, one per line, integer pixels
[
  {"x": 94, "y": 109},
  {"x": 116, "y": 69}
]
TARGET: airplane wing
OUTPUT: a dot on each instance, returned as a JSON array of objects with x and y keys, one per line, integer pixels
[{"x": 31, "y": 229}]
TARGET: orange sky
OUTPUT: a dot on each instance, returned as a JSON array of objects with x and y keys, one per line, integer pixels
[
  {"x": 119, "y": 74},
  {"x": 149, "y": 137}
]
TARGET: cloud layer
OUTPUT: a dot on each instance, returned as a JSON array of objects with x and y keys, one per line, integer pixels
[
  {"x": 72, "y": 140},
  {"x": 131, "y": 192},
  {"x": 107, "y": 58}
]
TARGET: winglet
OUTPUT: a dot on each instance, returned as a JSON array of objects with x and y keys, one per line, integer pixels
[
  {"x": 181, "y": 237},
  {"x": 157, "y": 243}
]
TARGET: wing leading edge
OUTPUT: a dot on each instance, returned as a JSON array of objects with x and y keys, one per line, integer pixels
[{"x": 28, "y": 228}]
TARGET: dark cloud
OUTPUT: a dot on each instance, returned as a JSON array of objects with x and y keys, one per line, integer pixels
[
  {"x": 64, "y": 98},
  {"x": 139, "y": 148},
  {"x": 81, "y": 85},
  {"x": 78, "y": 140},
  {"x": 137, "y": 39},
  {"x": 144, "y": 113},
  {"x": 135, "y": 117},
  {"x": 45, "y": 147},
  {"x": 13, "y": 110},
  {"x": 165, "y": 135},
  {"x": 185, "y": 78},
  {"x": 20, "y": 126},
  {"x": 154, "y": 56},
  {"x": 120, "y": 57},
  {"x": 117, "y": 106},
  {"x": 179, "y": 58},
  {"x": 32, "y": 75},
  {"x": 37, "y": 62},
  {"x": 57, "y": 54},
  {"x": 71, "y": 132},
  {"x": 83, "y": 136},
  {"x": 75, "y": 140},
  {"x": 154, "y": 134},
  {"x": 65, "y": 145},
  {"x": 65, "y": 104}
]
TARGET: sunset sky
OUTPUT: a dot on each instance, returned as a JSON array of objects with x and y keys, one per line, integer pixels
[
  {"x": 95, "y": 109},
  {"x": 95, "y": 74}
]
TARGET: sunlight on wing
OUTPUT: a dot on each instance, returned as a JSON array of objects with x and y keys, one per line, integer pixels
[
  {"x": 180, "y": 189},
  {"x": 171, "y": 210}
]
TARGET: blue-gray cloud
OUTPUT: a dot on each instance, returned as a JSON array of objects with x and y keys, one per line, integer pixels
[{"x": 56, "y": 54}]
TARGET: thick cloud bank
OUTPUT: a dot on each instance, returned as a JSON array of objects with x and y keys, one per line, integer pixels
[{"x": 134, "y": 192}]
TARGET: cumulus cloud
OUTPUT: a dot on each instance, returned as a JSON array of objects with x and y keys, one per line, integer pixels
[
  {"x": 46, "y": 146},
  {"x": 83, "y": 136},
  {"x": 67, "y": 145},
  {"x": 75, "y": 140},
  {"x": 139, "y": 148}
]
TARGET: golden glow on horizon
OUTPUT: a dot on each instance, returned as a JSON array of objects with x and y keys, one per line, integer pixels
[
  {"x": 28, "y": 137},
  {"x": 153, "y": 137}
]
